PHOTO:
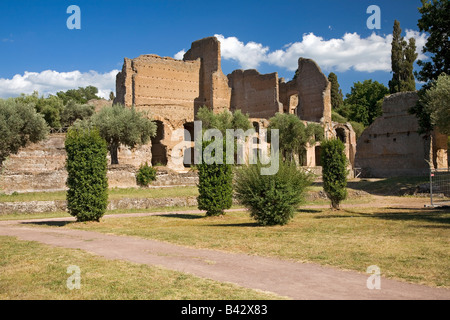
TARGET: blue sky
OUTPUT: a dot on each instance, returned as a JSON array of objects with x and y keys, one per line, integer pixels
[{"x": 39, "y": 52}]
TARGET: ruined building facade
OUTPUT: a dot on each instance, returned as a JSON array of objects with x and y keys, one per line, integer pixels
[
  {"x": 171, "y": 91},
  {"x": 394, "y": 146}
]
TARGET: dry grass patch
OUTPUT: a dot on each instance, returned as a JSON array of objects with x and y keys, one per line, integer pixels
[
  {"x": 32, "y": 271},
  {"x": 406, "y": 244}
]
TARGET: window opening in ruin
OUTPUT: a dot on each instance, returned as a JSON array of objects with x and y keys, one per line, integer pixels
[
  {"x": 189, "y": 127},
  {"x": 340, "y": 133},
  {"x": 188, "y": 156},
  {"x": 159, "y": 151},
  {"x": 318, "y": 153},
  {"x": 293, "y": 103}
]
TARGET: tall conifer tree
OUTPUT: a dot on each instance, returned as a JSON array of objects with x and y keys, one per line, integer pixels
[{"x": 403, "y": 56}]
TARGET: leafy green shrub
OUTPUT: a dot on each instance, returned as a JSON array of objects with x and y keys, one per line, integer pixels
[
  {"x": 358, "y": 128},
  {"x": 20, "y": 125},
  {"x": 215, "y": 184},
  {"x": 334, "y": 171},
  {"x": 145, "y": 175},
  {"x": 336, "y": 117},
  {"x": 87, "y": 183},
  {"x": 120, "y": 125},
  {"x": 73, "y": 111},
  {"x": 271, "y": 199}
]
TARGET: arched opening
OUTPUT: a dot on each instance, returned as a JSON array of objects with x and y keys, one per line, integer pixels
[
  {"x": 293, "y": 103},
  {"x": 159, "y": 151},
  {"x": 341, "y": 135}
]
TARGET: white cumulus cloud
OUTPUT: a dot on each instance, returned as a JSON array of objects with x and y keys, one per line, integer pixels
[
  {"x": 179, "y": 55},
  {"x": 341, "y": 54},
  {"x": 50, "y": 82},
  {"x": 248, "y": 55}
]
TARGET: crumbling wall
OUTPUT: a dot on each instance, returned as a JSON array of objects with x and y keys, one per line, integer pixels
[
  {"x": 214, "y": 90},
  {"x": 254, "y": 93},
  {"x": 162, "y": 86},
  {"x": 41, "y": 167},
  {"x": 392, "y": 145},
  {"x": 313, "y": 91},
  {"x": 167, "y": 90}
]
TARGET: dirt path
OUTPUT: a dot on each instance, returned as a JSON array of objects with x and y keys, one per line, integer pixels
[{"x": 290, "y": 279}]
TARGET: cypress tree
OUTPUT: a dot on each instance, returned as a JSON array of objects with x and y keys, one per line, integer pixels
[
  {"x": 403, "y": 56},
  {"x": 396, "y": 58},
  {"x": 409, "y": 83},
  {"x": 334, "y": 171},
  {"x": 337, "y": 98},
  {"x": 87, "y": 182}
]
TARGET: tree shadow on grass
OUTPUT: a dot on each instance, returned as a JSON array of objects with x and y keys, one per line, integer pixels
[
  {"x": 396, "y": 186},
  {"x": 441, "y": 216},
  {"x": 244, "y": 224},
  {"x": 185, "y": 216},
  {"x": 300, "y": 210},
  {"x": 435, "y": 215},
  {"x": 49, "y": 223}
]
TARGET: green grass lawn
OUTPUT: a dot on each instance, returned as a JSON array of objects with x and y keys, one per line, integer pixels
[{"x": 32, "y": 271}]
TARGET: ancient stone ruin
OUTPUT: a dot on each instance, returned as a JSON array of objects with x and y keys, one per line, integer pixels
[
  {"x": 171, "y": 91},
  {"x": 393, "y": 146}
]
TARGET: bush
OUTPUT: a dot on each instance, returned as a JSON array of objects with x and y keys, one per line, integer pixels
[
  {"x": 145, "y": 175},
  {"x": 20, "y": 125},
  {"x": 87, "y": 183},
  {"x": 215, "y": 185},
  {"x": 334, "y": 171},
  {"x": 336, "y": 117},
  {"x": 358, "y": 128},
  {"x": 73, "y": 112},
  {"x": 271, "y": 199}
]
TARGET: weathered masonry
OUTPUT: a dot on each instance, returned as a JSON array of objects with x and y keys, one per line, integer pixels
[
  {"x": 171, "y": 91},
  {"x": 393, "y": 146}
]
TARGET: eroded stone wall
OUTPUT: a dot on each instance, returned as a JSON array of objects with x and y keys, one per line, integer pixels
[
  {"x": 392, "y": 145},
  {"x": 41, "y": 167},
  {"x": 313, "y": 91},
  {"x": 214, "y": 90},
  {"x": 255, "y": 94}
]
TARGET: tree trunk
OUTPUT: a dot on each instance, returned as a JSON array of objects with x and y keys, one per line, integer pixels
[
  {"x": 113, "y": 150},
  {"x": 335, "y": 205}
]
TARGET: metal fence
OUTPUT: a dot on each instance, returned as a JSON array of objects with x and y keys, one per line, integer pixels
[{"x": 440, "y": 187}]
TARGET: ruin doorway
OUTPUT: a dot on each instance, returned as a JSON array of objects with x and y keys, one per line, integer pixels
[
  {"x": 341, "y": 135},
  {"x": 293, "y": 103},
  {"x": 159, "y": 150},
  {"x": 188, "y": 153},
  {"x": 318, "y": 156}
]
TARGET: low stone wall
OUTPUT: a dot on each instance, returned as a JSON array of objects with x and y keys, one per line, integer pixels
[
  {"x": 134, "y": 203},
  {"x": 115, "y": 204}
]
